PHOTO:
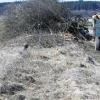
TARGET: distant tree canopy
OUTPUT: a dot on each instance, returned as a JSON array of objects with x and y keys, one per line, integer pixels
[
  {"x": 35, "y": 15},
  {"x": 86, "y": 5}
]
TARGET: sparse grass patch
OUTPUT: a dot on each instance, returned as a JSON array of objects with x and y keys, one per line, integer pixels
[{"x": 2, "y": 29}]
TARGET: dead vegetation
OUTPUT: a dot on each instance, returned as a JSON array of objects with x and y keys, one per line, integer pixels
[
  {"x": 35, "y": 15},
  {"x": 40, "y": 16}
]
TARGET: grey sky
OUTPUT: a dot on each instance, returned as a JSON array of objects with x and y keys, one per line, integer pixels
[
  {"x": 61, "y": 0},
  {"x": 9, "y": 0}
]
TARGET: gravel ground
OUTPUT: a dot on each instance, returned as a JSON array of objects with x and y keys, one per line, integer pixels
[{"x": 65, "y": 72}]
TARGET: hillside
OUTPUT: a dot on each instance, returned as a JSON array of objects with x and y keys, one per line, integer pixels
[
  {"x": 65, "y": 72},
  {"x": 53, "y": 66}
]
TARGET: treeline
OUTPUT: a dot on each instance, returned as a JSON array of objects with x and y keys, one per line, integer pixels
[
  {"x": 4, "y": 6},
  {"x": 87, "y": 5}
]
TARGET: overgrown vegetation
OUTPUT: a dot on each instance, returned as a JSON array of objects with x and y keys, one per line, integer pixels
[
  {"x": 78, "y": 27},
  {"x": 43, "y": 15},
  {"x": 36, "y": 15}
]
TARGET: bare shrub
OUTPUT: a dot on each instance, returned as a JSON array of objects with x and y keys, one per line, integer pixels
[{"x": 34, "y": 15}]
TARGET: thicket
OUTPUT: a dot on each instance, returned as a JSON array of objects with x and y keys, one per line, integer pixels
[
  {"x": 36, "y": 15},
  {"x": 43, "y": 15}
]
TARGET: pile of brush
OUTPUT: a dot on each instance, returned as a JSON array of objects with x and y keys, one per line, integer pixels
[{"x": 78, "y": 27}]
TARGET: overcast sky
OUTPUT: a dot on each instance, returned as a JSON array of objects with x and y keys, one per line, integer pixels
[
  {"x": 9, "y": 0},
  {"x": 60, "y": 0}
]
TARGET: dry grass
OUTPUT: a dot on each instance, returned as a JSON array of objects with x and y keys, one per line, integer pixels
[{"x": 57, "y": 73}]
